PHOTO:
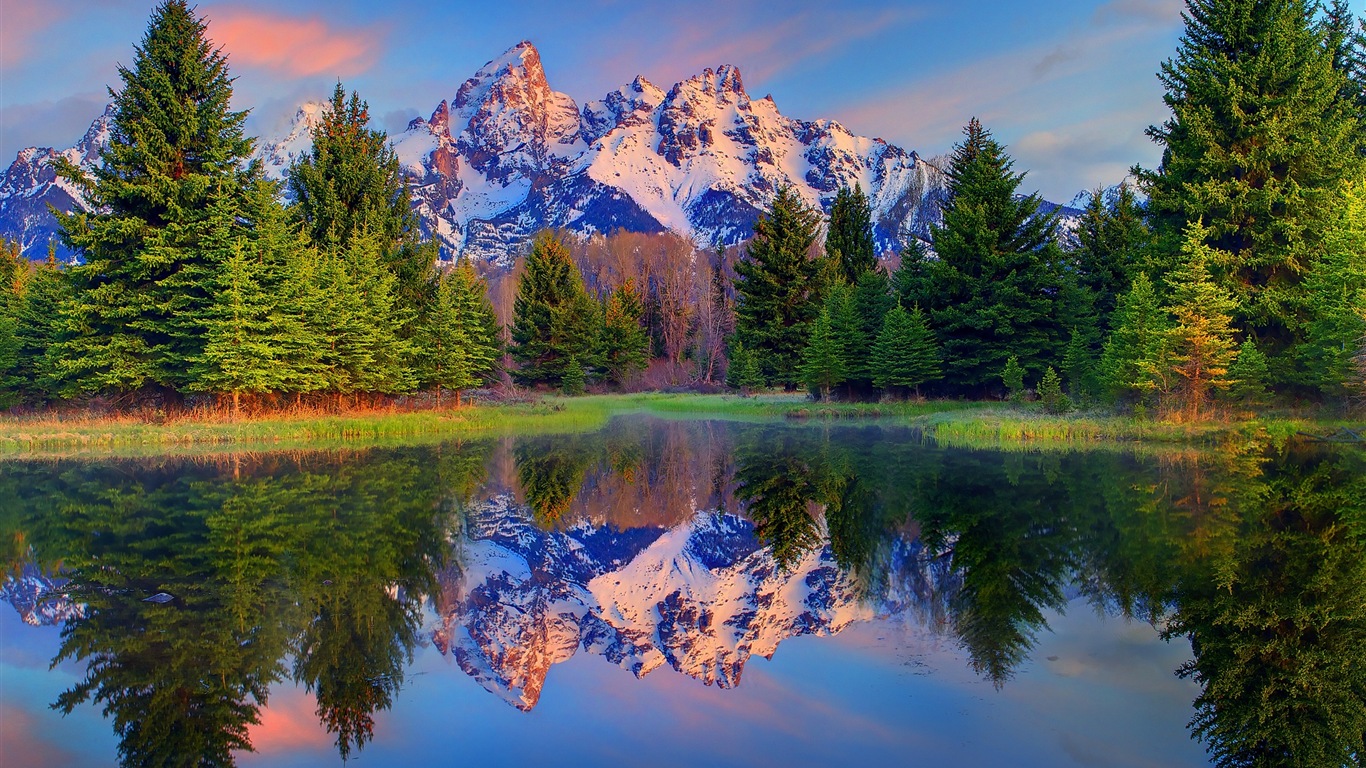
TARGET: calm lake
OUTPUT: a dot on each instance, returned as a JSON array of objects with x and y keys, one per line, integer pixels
[{"x": 687, "y": 593}]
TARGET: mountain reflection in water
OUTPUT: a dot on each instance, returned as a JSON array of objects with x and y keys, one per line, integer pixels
[{"x": 687, "y": 544}]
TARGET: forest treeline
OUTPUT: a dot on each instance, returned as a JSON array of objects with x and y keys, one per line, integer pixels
[{"x": 1231, "y": 276}]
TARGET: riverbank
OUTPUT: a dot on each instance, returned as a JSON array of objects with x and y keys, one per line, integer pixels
[{"x": 958, "y": 423}]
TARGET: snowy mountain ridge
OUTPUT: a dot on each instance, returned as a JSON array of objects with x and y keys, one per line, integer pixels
[{"x": 506, "y": 156}]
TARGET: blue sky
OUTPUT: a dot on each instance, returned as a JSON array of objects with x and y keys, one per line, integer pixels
[{"x": 1069, "y": 85}]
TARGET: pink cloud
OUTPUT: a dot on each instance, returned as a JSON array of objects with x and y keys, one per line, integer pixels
[
  {"x": 289, "y": 723},
  {"x": 24, "y": 23},
  {"x": 296, "y": 46}
]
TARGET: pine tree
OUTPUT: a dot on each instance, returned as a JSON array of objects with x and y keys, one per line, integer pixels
[
  {"x": 872, "y": 301},
  {"x": 174, "y": 147},
  {"x": 1051, "y": 394},
  {"x": 1079, "y": 364},
  {"x": 1200, "y": 341},
  {"x": 350, "y": 184},
  {"x": 625, "y": 344},
  {"x": 1255, "y": 148},
  {"x": 998, "y": 286},
  {"x": 555, "y": 326},
  {"x": 478, "y": 322},
  {"x": 849, "y": 240},
  {"x": 575, "y": 380},
  {"x": 39, "y": 327},
  {"x": 241, "y": 341},
  {"x": 1112, "y": 244},
  {"x": 1248, "y": 375},
  {"x": 906, "y": 353},
  {"x": 777, "y": 287},
  {"x": 1337, "y": 291},
  {"x": 823, "y": 359},
  {"x": 444, "y": 348},
  {"x": 1012, "y": 376},
  {"x": 1133, "y": 360},
  {"x": 743, "y": 373}
]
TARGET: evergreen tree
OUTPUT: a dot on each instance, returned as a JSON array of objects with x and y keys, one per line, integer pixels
[
  {"x": 1012, "y": 376},
  {"x": 1200, "y": 341},
  {"x": 480, "y": 324},
  {"x": 849, "y": 241},
  {"x": 1337, "y": 290},
  {"x": 777, "y": 286},
  {"x": 823, "y": 360},
  {"x": 350, "y": 184},
  {"x": 555, "y": 326},
  {"x": 1079, "y": 365},
  {"x": 911, "y": 283},
  {"x": 906, "y": 353},
  {"x": 444, "y": 361},
  {"x": 175, "y": 146},
  {"x": 1255, "y": 148},
  {"x": 872, "y": 301},
  {"x": 38, "y": 330},
  {"x": 575, "y": 380},
  {"x": 743, "y": 372},
  {"x": 1133, "y": 361},
  {"x": 243, "y": 329},
  {"x": 625, "y": 344},
  {"x": 1051, "y": 394},
  {"x": 1248, "y": 376},
  {"x": 1112, "y": 242},
  {"x": 998, "y": 286}
]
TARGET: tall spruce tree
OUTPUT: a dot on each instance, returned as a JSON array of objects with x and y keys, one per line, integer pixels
[
  {"x": 1258, "y": 141},
  {"x": 555, "y": 323},
  {"x": 175, "y": 146},
  {"x": 444, "y": 362},
  {"x": 778, "y": 288},
  {"x": 350, "y": 184},
  {"x": 999, "y": 287},
  {"x": 849, "y": 239}
]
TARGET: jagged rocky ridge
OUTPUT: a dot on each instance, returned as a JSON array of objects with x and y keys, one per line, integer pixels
[
  {"x": 507, "y": 155},
  {"x": 38, "y": 597}
]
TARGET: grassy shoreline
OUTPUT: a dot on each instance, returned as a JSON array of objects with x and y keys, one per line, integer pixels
[{"x": 957, "y": 423}]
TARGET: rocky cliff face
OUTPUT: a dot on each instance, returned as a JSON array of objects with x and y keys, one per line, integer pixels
[
  {"x": 506, "y": 156},
  {"x": 701, "y": 598}
]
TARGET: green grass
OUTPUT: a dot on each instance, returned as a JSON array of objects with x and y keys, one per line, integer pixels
[{"x": 953, "y": 423}]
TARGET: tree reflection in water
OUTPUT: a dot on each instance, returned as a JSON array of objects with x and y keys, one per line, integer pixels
[{"x": 1256, "y": 553}]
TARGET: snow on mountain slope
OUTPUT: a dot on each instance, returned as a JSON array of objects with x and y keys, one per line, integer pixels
[
  {"x": 702, "y": 598},
  {"x": 506, "y": 156}
]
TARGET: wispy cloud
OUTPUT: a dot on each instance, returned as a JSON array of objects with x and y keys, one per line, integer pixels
[
  {"x": 24, "y": 24},
  {"x": 290, "y": 45}
]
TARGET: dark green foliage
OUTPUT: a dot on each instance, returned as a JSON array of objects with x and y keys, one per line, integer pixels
[
  {"x": 246, "y": 337},
  {"x": 350, "y": 184},
  {"x": 625, "y": 344},
  {"x": 1199, "y": 346},
  {"x": 1255, "y": 148},
  {"x": 1012, "y": 376},
  {"x": 551, "y": 473},
  {"x": 174, "y": 148},
  {"x": 555, "y": 325},
  {"x": 1051, "y": 394},
  {"x": 1112, "y": 245},
  {"x": 777, "y": 284},
  {"x": 458, "y": 344},
  {"x": 1133, "y": 361},
  {"x": 998, "y": 287},
  {"x": 849, "y": 240},
  {"x": 575, "y": 380},
  {"x": 1079, "y": 365},
  {"x": 743, "y": 373},
  {"x": 1336, "y": 288},
  {"x": 823, "y": 361},
  {"x": 906, "y": 353},
  {"x": 778, "y": 478},
  {"x": 1248, "y": 375},
  {"x": 872, "y": 301}
]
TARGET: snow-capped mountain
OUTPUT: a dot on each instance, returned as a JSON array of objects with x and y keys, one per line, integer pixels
[
  {"x": 38, "y": 597},
  {"x": 31, "y": 184},
  {"x": 702, "y": 597},
  {"x": 506, "y": 155}
]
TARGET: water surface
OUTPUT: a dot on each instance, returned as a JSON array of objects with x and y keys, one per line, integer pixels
[{"x": 685, "y": 593}]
